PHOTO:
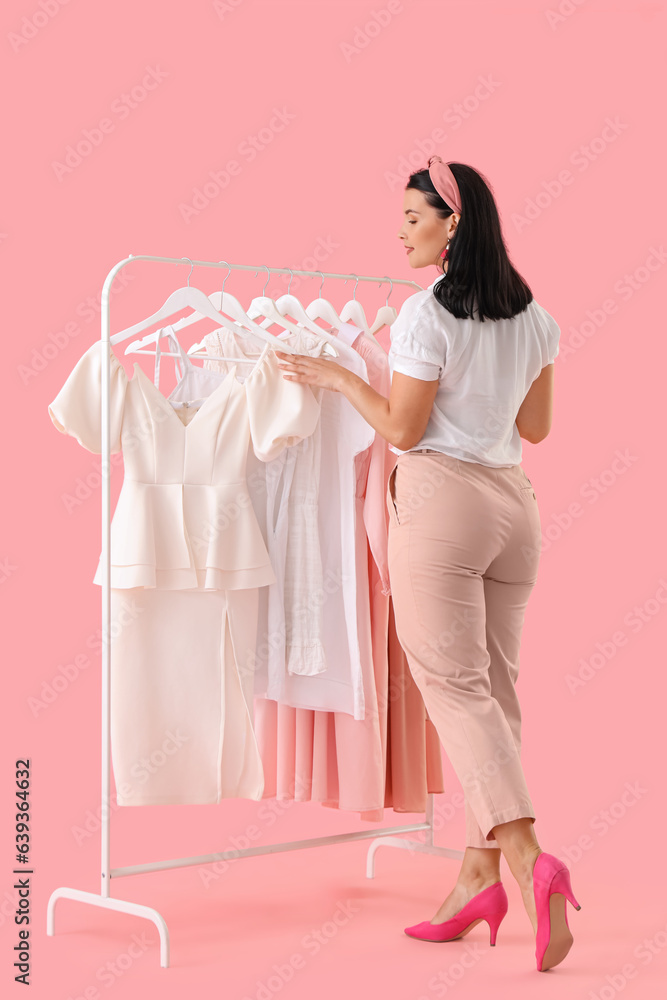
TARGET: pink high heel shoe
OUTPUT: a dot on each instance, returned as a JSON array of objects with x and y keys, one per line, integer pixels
[
  {"x": 490, "y": 904},
  {"x": 551, "y": 888}
]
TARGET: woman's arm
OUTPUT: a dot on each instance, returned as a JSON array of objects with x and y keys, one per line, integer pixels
[
  {"x": 534, "y": 417},
  {"x": 401, "y": 420}
]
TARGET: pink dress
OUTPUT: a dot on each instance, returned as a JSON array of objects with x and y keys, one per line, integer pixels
[
  {"x": 410, "y": 743},
  {"x": 414, "y": 759}
]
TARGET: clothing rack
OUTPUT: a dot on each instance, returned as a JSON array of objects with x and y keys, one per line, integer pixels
[{"x": 389, "y": 836}]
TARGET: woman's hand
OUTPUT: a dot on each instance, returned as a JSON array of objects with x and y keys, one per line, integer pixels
[{"x": 313, "y": 371}]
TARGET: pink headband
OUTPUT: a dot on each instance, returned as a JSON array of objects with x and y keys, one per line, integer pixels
[{"x": 444, "y": 182}]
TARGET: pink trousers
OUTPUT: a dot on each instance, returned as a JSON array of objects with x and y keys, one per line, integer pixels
[{"x": 464, "y": 549}]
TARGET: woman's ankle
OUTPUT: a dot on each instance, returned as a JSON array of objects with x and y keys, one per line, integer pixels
[
  {"x": 480, "y": 867},
  {"x": 476, "y": 881}
]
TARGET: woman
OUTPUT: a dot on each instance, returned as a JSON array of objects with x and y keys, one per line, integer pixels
[{"x": 472, "y": 373}]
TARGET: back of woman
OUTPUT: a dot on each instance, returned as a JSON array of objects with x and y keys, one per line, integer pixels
[{"x": 484, "y": 370}]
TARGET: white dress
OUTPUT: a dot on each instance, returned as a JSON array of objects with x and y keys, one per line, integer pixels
[
  {"x": 187, "y": 559},
  {"x": 286, "y": 497},
  {"x": 332, "y": 608}
]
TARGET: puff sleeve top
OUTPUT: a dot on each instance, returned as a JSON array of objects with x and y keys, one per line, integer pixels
[
  {"x": 184, "y": 518},
  {"x": 77, "y": 411}
]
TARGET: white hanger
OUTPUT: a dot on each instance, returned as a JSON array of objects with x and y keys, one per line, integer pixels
[
  {"x": 321, "y": 308},
  {"x": 386, "y": 314},
  {"x": 262, "y": 305},
  {"x": 353, "y": 312},
  {"x": 289, "y": 305},
  {"x": 165, "y": 332},
  {"x": 178, "y": 300},
  {"x": 245, "y": 326},
  {"x": 198, "y": 301}
]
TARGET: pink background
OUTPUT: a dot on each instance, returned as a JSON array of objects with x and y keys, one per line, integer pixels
[{"x": 361, "y": 97}]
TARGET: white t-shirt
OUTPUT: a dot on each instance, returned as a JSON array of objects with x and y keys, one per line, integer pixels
[{"x": 484, "y": 369}]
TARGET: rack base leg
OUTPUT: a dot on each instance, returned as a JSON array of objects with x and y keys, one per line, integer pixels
[
  {"x": 109, "y": 903},
  {"x": 407, "y": 844}
]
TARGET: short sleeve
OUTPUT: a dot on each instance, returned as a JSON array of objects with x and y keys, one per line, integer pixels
[
  {"x": 77, "y": 409},
  {"x": 417, "y": 345},
  {"x": 549, "y": 335},
  {"x": 554, "y": 342},
  {"x": 281, "y": 413}
]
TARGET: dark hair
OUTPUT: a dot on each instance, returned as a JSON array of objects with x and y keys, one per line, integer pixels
[{"x": 480, "y": 275}]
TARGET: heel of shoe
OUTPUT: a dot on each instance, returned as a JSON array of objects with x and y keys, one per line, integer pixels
[
  {"x": 561, "y": 883},
  {"x": 552, "y": 891},
  {"x": 494, "y": 920}
]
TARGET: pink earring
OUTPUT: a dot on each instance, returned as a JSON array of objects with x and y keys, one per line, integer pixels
[{"x": 445, "y": 252}]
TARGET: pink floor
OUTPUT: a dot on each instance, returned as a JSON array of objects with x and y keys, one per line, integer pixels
[{"x": 313, "y": 925}]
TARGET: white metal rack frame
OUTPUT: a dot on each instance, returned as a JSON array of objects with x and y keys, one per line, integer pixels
[{"x": 389, "y": 836}]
